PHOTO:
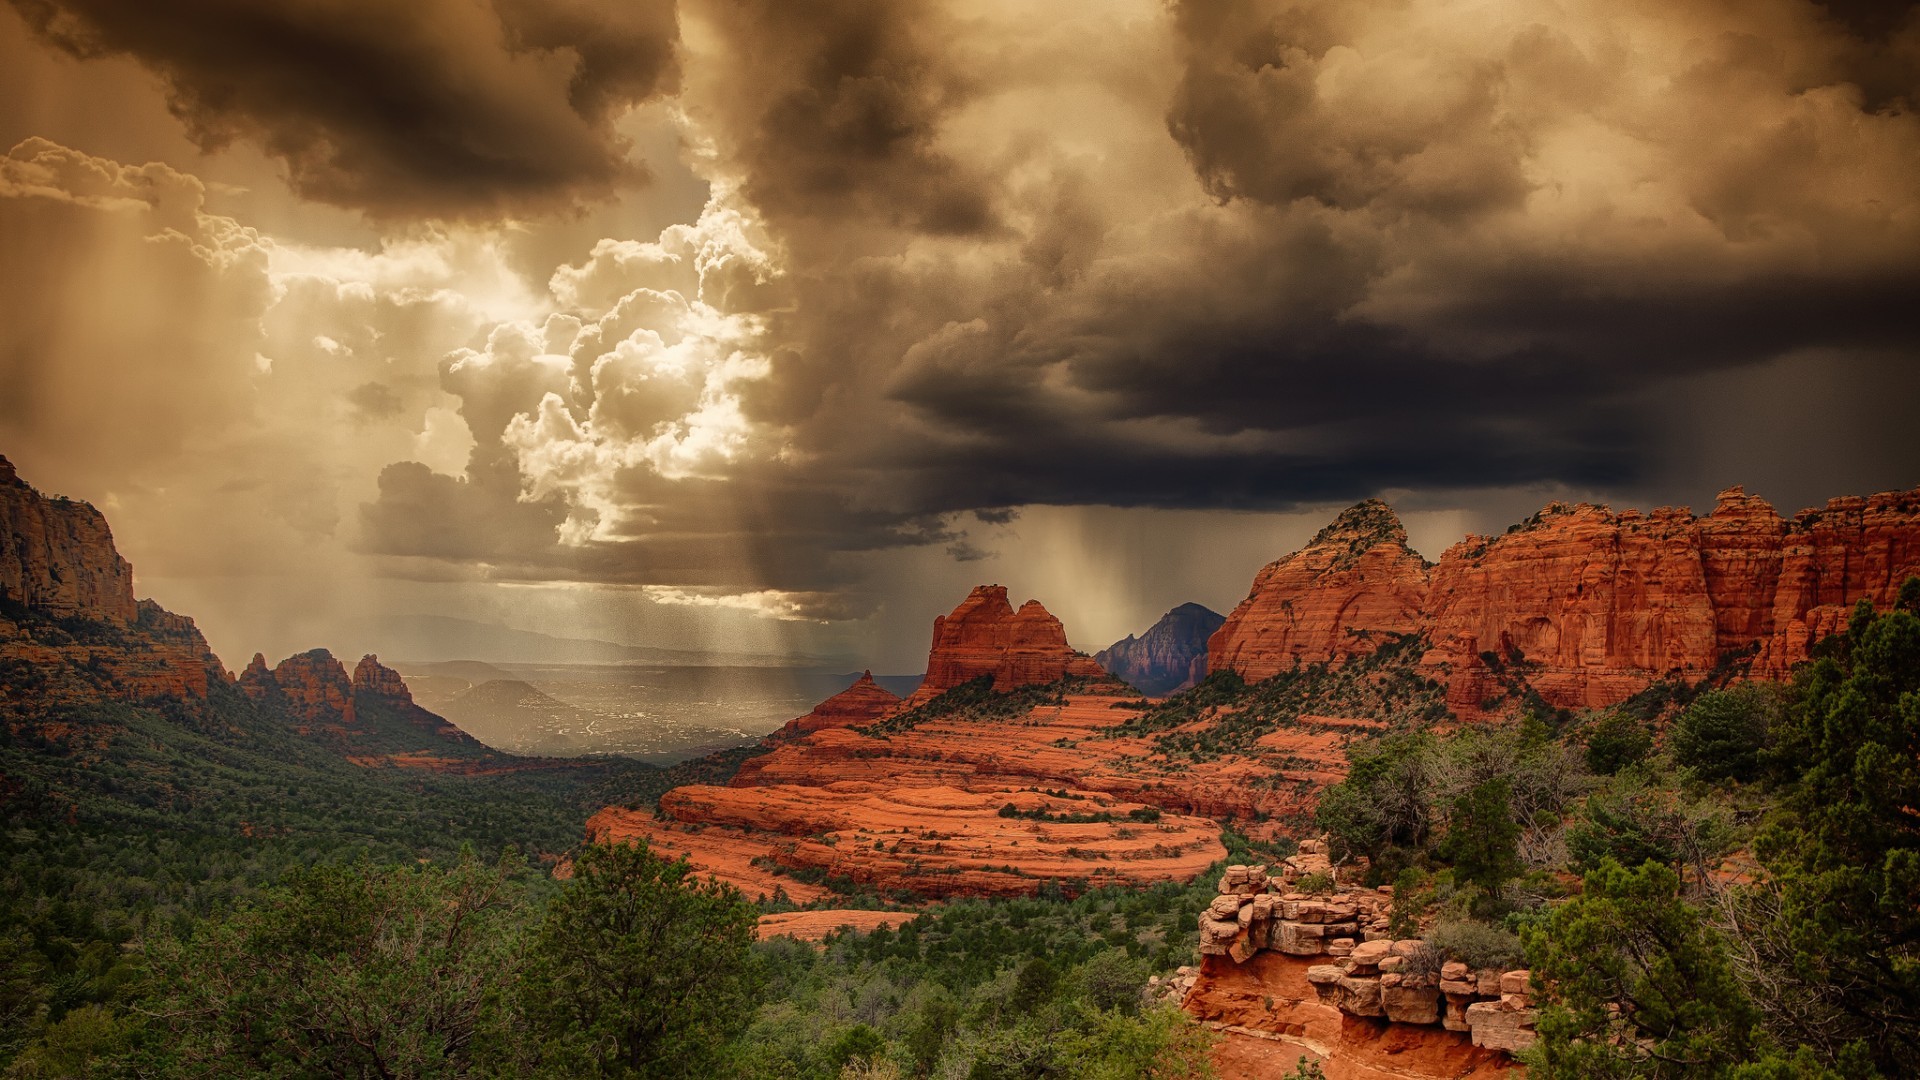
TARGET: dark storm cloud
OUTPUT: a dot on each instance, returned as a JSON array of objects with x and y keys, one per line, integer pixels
[
  {"x": 833, "y": 109},
  {"x": 441, "y": 108},
  {"x": 1410, "y": 276},
  {"x": 1249, "y": 254}
]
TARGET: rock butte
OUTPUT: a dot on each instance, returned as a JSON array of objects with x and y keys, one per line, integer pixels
[
  {"x": 1587, "y": 606},
  {"x": 985, "y": 636}
]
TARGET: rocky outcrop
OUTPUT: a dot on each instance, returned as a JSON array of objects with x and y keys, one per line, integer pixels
[
  {"x": 985, "y": 636},
  {"x": 1580, "y": 604},
  {"x": 370, "y": 676},
  {"x": 856, "y": 706},
  {"x": 1170, "y": 656},
  {"x": 311, "y": 686},
  {"x": 70, "y": 629},
  {"x": 57, "y": 556},
  {"x": 1356, "y": 581},
  {"x": 1355, "y": 966}
]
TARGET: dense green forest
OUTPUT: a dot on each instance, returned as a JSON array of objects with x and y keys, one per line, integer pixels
[{"x": 1706, "y": 881}]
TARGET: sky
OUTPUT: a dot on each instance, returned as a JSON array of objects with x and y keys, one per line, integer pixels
[{"x": 772, "y": 327}]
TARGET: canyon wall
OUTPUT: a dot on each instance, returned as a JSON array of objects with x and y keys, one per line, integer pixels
[{"x": 1583, "y": 605}]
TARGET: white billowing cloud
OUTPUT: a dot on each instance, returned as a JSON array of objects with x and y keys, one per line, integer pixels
[
  {"x": 638, "y": 374},
  {"x": 764, "y": 603}
]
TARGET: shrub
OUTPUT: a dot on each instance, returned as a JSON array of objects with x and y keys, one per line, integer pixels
[
  {"x": 1315, "y": 883},
  {"x": 1477, "y": 945}
]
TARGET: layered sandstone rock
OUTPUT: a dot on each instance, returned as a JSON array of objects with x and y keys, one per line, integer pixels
[
  {"x": 1330, "y": 600},
  {"x": 57, "y": 556},
  {"x": 1169, "y": 657},
  {"x": 1354, "y": 965},
  {"x": 1580, "y": 604},
  {"x": 985, "y": 636},
  {"x": 925, "y": 839},
  {"x": 856, "y": 706}
]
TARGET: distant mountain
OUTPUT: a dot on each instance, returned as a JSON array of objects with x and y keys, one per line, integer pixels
[
  {"x": 1170, "y": 656},
  {"x": 428, "y": 638},
  {"x": 516, "y": 715}
]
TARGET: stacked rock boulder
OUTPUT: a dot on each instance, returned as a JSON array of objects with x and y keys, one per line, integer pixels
[{"x": 1367, "y": 972}]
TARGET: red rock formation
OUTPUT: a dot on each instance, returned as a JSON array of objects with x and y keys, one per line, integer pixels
[
  {"x": 985, "y": 636},
  {"x": 856, "y": 706},
  {"x": 1832, "y": 558},
  {"x": 1598, "y": 605},
  {"x": 57, "y": 556},
  {"x": 370, "y": 676},
  {"x": 315, "y": 688},
  {"x": 1584, "y": 605},
  {"x": 816, "y": 925},
  {"x": 930, "y": 839},
  {"x": 69, "y": 616},
  {"x": 1356, "y": 579}
]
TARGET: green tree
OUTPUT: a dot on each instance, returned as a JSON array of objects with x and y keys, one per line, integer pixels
[
  {"x": 1724, "y": 733},
  {"x": 345, "y": 971},
  {"x": 1843, "y": 914},
  {"x": 639, "y": 969},
  {"x": 1632, "y": 982},
  {"x": 1384, "y": 801},
  {"x": 1482, "y": 837},
  {"x": 1616, "y": 741}
]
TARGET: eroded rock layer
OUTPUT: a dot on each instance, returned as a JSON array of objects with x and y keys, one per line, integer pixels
[
  {"x": 1583, "y": 605},
  {"x": 1301, "y": 968},
  {"x": 917, "y": 839}
]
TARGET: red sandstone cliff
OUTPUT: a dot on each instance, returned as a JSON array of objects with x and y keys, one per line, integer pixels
[
  {"x": 1355, "y": 579},
  {"x": 57, "y": 555},
  {"x": 985, "y": 636},
  {"x": 1586, "y": 605},
  {"x": 69, "y": 618}
]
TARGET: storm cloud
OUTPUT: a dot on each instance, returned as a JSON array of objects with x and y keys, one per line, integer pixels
[
  {"x": 442, "y": 108},
  {"x": 962, "y": 261}
]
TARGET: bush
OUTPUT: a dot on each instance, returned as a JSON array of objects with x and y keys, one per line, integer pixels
[
  {"x": 1477, "y": 945},
  {"x": 1315, "y": 883}
]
